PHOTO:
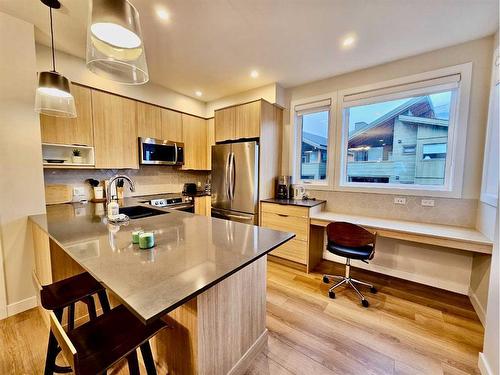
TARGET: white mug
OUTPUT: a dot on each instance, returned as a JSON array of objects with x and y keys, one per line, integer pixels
[{"x": 298, "y": 192}]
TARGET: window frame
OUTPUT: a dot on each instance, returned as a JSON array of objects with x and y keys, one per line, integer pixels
[
  {"x": 456, "y": 144},
  {"x": 296, "y": 139}
]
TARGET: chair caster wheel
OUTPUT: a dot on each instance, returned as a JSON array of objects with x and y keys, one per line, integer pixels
[
  {"x": 331, "y": 295},
  {"x": 373, "y": 290},
  {"x": 326, "y": 280},
  {"x": 365, "y": 303}
]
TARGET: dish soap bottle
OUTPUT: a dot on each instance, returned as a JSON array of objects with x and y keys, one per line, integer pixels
[{"x": 113, "y": 210}]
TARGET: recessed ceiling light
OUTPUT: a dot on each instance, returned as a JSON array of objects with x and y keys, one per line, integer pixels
[
  {"x": 162, "y": 14},
  {"x": 198, "y": 93},
  {"x": 254, "y": 74},
  {"x": 348, "y": 41}
]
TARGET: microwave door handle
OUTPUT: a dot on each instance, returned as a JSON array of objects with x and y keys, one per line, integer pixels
[{"x": 176, "y": 153}]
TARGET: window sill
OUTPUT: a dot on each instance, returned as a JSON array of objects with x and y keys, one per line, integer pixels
[{"x": 418, "y": 192}]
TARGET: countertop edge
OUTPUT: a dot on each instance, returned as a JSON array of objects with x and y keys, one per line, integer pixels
[{"x": 295, "y": 202}]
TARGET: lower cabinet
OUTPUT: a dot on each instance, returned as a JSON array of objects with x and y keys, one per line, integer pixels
[
  {"x": 203, "y": 205},
  {"x": 288, "y": 219}
]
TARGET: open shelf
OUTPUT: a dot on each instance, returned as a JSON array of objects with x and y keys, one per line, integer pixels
[{"x": 65, "y": 152}]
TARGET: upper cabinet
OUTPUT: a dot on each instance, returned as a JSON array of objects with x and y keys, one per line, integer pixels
[
  {"x": 239, "y": 122},
  {"x": 171, "y": 123},
  {"x": 196, "y": 144},
  {"x": 71, "y": 130},
  {"x": 115, "y": 131},
  {"x": 149, "y": 121}
]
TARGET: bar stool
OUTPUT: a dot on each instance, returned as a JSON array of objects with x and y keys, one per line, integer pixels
[
  {"x": 351, "y": 242},
  {"x": 98, "y": 344},
  {"x": 64, "y": 294}
]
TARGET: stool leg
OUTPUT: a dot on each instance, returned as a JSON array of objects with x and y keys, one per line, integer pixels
[
  {"x": 103, "y": 299},
  {"x": 71, "y": 317},
  {"x": 147, "y": 356},
  {"x": 53, "y": 350},
  {"x": 91, "y": 307},
  {"x": 133, "y": 363}
]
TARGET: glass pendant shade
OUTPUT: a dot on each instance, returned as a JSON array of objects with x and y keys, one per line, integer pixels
[
  {"x": 53, "y": 95},
  {"x": 115, "y": 48}
]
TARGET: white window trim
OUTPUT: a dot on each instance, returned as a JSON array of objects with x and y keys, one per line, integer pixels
[
  {"x": 488, "y": 198},
  {"x": 456, "y": 145},
  {"x": 296, "y": 136}
]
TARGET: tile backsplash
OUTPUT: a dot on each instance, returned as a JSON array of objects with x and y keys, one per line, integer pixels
[
  {"x": 447, "y": 211},
  {"x": 148, "y": 179}
]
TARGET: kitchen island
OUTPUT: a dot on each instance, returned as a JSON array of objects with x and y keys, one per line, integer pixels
[{"x": 206, "y": 278}]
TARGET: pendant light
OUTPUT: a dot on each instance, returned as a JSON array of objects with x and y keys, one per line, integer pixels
[
  {"x": 115, "y": 48},
  {"x": 53, "y": 95}
]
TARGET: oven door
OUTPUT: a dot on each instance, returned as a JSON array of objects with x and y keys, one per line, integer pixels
[{"x": 157, "y": 151}]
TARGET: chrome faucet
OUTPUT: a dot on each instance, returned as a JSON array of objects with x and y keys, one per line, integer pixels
[{"x": 113, "y": 179}]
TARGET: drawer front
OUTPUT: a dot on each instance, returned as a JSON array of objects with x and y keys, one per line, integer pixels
[
  {"x": 297, "y": 225},
  {"x": 285, "y": 209},
  {"x": 294, "y": 250}
]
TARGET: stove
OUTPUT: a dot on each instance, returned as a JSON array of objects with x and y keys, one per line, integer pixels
[{"x": 172, "y": 201}]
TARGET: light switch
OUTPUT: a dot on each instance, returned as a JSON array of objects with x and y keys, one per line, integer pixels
[
  {"x": 427, "y": 202},
  {"x": 400, "y": 200},
  {"x": 78, "y": 190}
]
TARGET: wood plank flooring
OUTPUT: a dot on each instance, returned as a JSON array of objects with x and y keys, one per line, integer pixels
[{"x": 408, "y": 329}]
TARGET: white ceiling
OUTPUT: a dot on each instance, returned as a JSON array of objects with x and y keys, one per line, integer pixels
[{"x": 212, "y": 45}]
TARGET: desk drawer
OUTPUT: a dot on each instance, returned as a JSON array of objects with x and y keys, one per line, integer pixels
[
  {"x": 294, "y": 250},
  {"x": 297, "y": 225},
  {"x": 285, "y": 209}
]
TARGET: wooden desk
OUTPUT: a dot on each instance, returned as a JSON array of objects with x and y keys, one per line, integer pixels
[{"x": 468, "y": 239}]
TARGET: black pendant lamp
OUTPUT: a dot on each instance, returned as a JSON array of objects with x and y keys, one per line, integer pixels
[
  {"x": 115, "y": 48},
  {"x": 53, "y": 95}
]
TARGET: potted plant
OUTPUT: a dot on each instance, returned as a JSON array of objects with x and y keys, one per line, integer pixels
[{"x": 77, "y": 156}]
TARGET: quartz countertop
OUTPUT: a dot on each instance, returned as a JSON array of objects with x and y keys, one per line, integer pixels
[
  {"x": 296, "y": 202},
  {"x": 192, "y": 252}
]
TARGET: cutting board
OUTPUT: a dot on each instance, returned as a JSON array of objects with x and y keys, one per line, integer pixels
[{"x": 56, "y": 194}]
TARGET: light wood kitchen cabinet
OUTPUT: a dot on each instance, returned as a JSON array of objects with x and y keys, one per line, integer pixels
[
  {"x": 210, "y": 140},
  {"x": 195, "y": 133},
  {"x": 242, "y": 121},
  {"x": 171, "y": 125},
  {"x": 149, "y": 124},
  {"x": 71, "y": 130},
  {"x": 224, "y": 124},
  {"x": 203, "y": 205},
  {"x": 248, "y": 119},
  {"x": 115, "y": 131}
]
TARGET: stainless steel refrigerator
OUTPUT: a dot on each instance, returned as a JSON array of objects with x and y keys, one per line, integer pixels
[{"x": 235, "y": 181}]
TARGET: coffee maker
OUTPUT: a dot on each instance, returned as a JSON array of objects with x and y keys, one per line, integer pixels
[{"x": 283, "y": 189}]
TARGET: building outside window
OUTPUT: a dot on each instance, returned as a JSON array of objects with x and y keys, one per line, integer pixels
[{"x": 399, "y": 141}]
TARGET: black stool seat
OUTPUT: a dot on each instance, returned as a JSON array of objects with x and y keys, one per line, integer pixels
[
  {"x": 102, "y": 342},
  {"x": 68, "y": 291},
  {"x": 360, "y": 253}
]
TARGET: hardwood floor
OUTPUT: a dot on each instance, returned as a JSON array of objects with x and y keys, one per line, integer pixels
[{"x": 408, "y": 329}]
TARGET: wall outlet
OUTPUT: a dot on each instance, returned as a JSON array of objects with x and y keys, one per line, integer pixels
[
  {"x": 427, "y": 202},
  {"x": 78, "y": 190},
  {"x": 399, "y": 200}
]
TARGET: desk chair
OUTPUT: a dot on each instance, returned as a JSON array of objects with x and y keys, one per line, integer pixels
[{"x": 351, "y": 242}]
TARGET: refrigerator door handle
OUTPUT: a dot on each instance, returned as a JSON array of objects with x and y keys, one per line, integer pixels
[
  {"x": 233, "y": 175},
  {"x": 227, "y": 181}
]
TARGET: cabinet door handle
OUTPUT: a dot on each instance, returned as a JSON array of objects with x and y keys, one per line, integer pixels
[{"x": 282, "y": 215}]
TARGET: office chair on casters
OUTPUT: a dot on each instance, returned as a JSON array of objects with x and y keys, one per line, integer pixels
[{"x": 351, "y": 242}]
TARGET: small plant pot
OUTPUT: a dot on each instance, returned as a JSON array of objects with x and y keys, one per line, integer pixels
[
  {"x": 77, "y": 159},
  {"x": 98, "y": 192}
]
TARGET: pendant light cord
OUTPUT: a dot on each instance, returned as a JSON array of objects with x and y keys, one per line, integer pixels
[{"x": 52, "y": 38}]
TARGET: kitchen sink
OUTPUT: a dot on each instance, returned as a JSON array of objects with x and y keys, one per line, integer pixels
[{"x": 137, "y": 212}]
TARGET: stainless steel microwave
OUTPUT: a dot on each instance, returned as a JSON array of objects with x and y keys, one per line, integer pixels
[{"x": 158, "y": 151}]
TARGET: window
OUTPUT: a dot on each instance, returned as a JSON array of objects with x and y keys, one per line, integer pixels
[
  {"x": 434, "y": 151},
  {"x": 401, "y": 136},
  {"x": 313, "y": 128}
]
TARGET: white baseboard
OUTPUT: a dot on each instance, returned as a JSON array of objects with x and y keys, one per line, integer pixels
[
  {"x": 20, "y": 306},
  {"x": 478, "y": 307},
  {"x": 484, "y": 367}
]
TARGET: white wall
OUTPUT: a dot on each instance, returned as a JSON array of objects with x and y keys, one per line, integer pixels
[
  {"x": 76, "y": 70},
  {"x": 21, "y": 183}
]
